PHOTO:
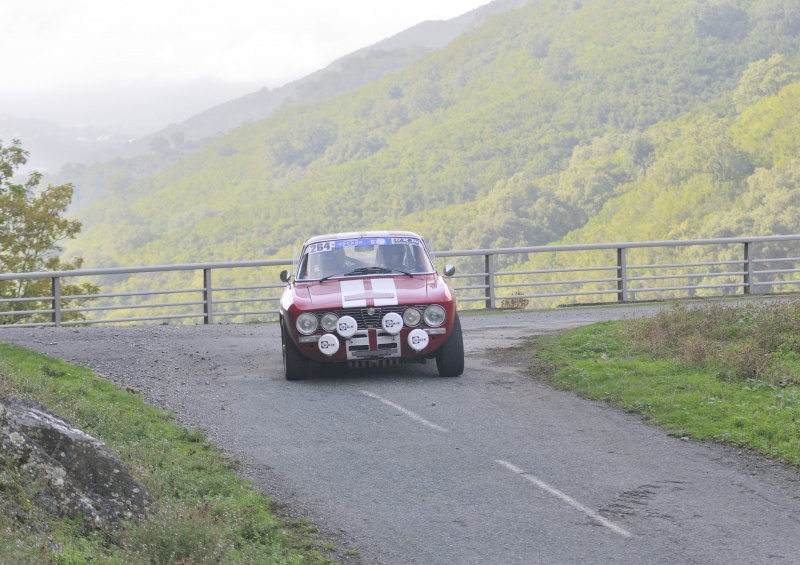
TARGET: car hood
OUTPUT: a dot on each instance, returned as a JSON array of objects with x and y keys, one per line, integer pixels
[{"x": 370, "y": 291}]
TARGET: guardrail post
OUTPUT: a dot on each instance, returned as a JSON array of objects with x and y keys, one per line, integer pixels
[
  {"x": 208, "y": 302},
  {"x": 749, "y": 287},
  {"x": 489, "y": 265},
  {"x": 56, "y": 302},
  {"x": 622, "y": 272}
]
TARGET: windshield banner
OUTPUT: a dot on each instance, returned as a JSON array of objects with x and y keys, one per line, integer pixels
[{"x": 366, "y": 241}]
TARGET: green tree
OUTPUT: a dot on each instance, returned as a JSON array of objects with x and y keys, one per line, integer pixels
[
  {"x": 31, "y": 226},
  {"x": 763, "y": 78},
  {"x": 703, "y": 146},
  {"x": 720, "y": 19}
]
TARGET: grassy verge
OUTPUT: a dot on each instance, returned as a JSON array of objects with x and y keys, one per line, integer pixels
[
  {"x": 204, "y": 513},
  {"x": 719, "y": 372}
]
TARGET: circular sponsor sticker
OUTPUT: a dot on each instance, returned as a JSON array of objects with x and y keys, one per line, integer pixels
[
  {"x": 392, "y": 323},
  {"x": 328, "y": 344},
  {"x": 418, "y": 339},
  {"x": 346, "y": 326}
]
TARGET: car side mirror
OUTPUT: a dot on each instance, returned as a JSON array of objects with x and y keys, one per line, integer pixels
[
  {"x": 449, "y": 270},
  {"x": 285, "y": 276}
]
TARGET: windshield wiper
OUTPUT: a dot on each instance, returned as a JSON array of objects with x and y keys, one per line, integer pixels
[
  {"x": 356, "y": 272},
  {"x": 343, "y": 274},
  {"x": 366, "y": 271},
  {"x": 369, "y": 270},
  {"x": 373, "y": 270},
  {"x": 404, "y": 272}
]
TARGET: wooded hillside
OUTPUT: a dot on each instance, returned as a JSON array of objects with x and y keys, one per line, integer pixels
[{"x": 586, "y": 121}]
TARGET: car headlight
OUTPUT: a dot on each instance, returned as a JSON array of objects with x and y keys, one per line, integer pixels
[
  {"x": 434, "y": 315},
  {"x": 328, "y": 322},
  {"x": 411, "y": 317},
  {"x": 306, "y": 323}
]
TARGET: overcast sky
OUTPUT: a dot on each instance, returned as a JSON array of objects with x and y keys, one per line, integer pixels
[
  {"x": 48, "y": 44},
  {"x": 131, "y": 67}
]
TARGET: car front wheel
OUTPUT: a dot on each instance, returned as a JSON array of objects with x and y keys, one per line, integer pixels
[
  {"x": 295, "y": 366},
  {"x": 450, "y": 357}
]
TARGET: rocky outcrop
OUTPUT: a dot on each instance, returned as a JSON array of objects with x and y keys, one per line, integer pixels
[{"x": 67, "y": 471}]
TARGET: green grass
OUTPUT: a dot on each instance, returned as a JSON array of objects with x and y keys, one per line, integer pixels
[
  {"x": 204, "y": 513},
  {"x": 718, "y": 372}
]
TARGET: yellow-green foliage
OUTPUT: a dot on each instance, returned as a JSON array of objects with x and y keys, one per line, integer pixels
[{"x": 575, "y": 122}]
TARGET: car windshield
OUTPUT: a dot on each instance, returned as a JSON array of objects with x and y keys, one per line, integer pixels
[{"x": 363, "y": 256}]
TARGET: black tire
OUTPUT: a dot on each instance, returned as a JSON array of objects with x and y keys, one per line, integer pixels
[
  {"x": 295, "y": 366},
  {"x": 450, "y": 357}
]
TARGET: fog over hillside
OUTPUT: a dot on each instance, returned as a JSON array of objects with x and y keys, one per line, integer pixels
[
  {"x": 94, "y": 122},
  {"x": 131, "y": 108},
  {"x": 86, "y": 120}
]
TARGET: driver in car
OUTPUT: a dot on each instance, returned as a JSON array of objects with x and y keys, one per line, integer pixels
[
  {"x": 393, "y": 257},
  {"x": 331, "y": 262}
]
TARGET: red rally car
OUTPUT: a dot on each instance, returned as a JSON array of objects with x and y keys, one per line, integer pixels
[{"x": 366, "y": 299}]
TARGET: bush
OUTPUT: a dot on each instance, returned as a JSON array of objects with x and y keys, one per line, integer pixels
[{"x": 750, "y": 341}]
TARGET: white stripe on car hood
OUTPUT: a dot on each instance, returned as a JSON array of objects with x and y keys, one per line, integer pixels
[
  {"x": 353, "y": 295},
  {"x": 384, "y": 292}
]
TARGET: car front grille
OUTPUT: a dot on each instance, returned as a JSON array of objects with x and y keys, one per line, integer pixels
[{"x": 370, "y": 317}]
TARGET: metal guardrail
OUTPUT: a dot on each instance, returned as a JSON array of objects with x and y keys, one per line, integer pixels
[
  {"x": 615, "y": 274},
  {"x": 204, "y": 306},
  {"x": 620, "y": 283}
]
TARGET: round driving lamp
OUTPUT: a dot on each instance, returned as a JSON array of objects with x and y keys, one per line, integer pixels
[
  {"x": 328, "y": 344},
  {"x": 411, "y": 317},
  {"x": 347, "y": 327},
  {"x": 418, "y": 339},
  {"x": 392, "y": 323},
  {"x": 306, "y": 323},
  {"x": 328, "y": 322},
  {"x": 434, "y": 315}
]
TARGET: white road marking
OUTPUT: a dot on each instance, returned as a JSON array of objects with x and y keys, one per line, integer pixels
[
  {"x": 482, "y": 327},
  {"x": 569, "y": 500},
  {"x": 408, "y": 413}
]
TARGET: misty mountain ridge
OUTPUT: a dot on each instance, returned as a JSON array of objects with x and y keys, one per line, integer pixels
[
  {"x": 351, "y": 71},
  {"x": 108, "y": 121},
  {"x": 94, "y": 123}
]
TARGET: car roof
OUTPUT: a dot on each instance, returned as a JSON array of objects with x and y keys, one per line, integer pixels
[{"x": 360, "y": 234}]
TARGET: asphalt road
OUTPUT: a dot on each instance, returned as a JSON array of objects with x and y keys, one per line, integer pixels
[{"x": 403, "y": 466}]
